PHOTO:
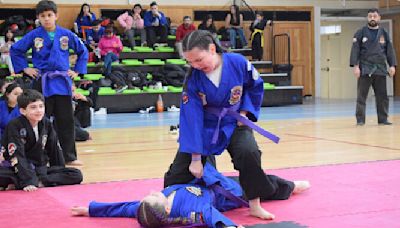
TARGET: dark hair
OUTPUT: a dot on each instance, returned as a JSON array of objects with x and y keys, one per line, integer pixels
[
  {"x": 6, "y": 39},
  {"x": 153, "y": 4},
  {"x": 155, "y": 216},
  {"x": 202, "y": 40},
  {"x": 96, "y": 22},
  {"x": 237, "y": 12},
  {"x": 258, "y": 12},
  {"x": 374, "y": 10},
  {"x": 9, "y": 89},
  {"x": 81, "y": 12},
  {"x": 29, "y": 96},
  {"x": 137, "y": 4},
  {"x": 109, "y": 30},
  {"x": 45, "y": 5},
  {"x": 187, "y": 17}
]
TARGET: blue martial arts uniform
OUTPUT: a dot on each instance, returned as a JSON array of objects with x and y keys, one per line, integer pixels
[
  {"x": 50, "y": 56},
  {"x": 241, "y": 88},
  {"x": 189, "y": 200},
  {"x": 85, "y": 21},
  {"x": 6, "y": 116}
]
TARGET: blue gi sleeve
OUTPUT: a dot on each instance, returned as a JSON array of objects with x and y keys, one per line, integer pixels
[
  {"x": 18, "y": 51},
  {"x": 214, "y": 218},
  {"x": 122, "y": 209},
  {"x": 163, "y": 19},
  {"x": 253, "y": 92},
  {"x": 82, "y": 52},
  {"x": 147, "y": 19},
  {"x": 191, "y": 120}
]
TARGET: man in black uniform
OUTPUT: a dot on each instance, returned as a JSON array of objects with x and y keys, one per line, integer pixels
[
  {"x": 371, "y": 52},
  {"x": 31, "y": 149}
]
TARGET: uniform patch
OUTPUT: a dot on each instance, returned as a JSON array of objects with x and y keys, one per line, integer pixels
[
  {"x": 22, "y": 132},
  {"x": 364, "y": 39},
  {"x": 354, "y": 40},
  {"x": 44, "y": 141},
  {"x": 194, "y": 190},
  {"x": 236, "y": 94},
  {"x": 185, "y": 98},
  {"x": 203, "y": 98},
  {"x": 11, "y": 148},
  {"x": 64, "y": 43},
  {"x": 38, "y": 42},
  {"x": 382, "y": 40}
]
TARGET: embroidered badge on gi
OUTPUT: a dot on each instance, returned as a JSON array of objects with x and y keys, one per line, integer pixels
[
  {"x": 185, "y": 98},
  {"x": 44, "y": 141},
  {"x": 236, "y": 94},
  {"x": 64, "y": 43},
  {"x": 382, "y": 39},
  {"x": 194, "y": 190},
  {"x": 22, "y": 132},
  {"x": 364, "y": 39},
  {"x": 203, "y": 98},
  {"x": 11, "y": 148},
  {"x": 38, "y": 42}
]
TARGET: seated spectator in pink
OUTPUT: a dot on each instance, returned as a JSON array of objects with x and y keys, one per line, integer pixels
[
  {"x": 110, "y": 46},
  {"x": 133, "y": 24}
]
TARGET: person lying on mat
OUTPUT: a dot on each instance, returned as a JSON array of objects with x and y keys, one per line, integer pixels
[
  {"x": 32, "y": 152},
  {"x": 199, "y": 203}
]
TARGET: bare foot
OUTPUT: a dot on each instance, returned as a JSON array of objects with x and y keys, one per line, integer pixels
[
  {"x": 261, "y": 213},
  {"x": 79, "y": 211},
  {"x": 257, "y": 211},
  {"x": 300, "y": 186},
  {"x": 75, "y": 163}
]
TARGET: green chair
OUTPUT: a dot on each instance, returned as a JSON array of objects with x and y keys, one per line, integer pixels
[
  {"x": 126, "y": 49},
  {"x": 77, "y": 79},
  {"x": 83, "y": 92},
  {"x": 269, "y": 86},
  {"x": 176, "y": 61},
  {"x": 103, "y": 91},
  {"x": 155, "y": 90},
  {"x": 165, "y": 49},
  {"x": 131, "y": 91},
  {"x": 91, "y": 64},
  {"x": 3, "y": 66},
  {"x": 93, "y": 77},
  {"x": 132, "y": 62},
  {"x": 143, "y": 49},
  {"x": 171, "y": 37},
  {"x": 10, "y": 78},
  {"x": 154, "y": 62},
  {"x": 30, "y": 65},
  {"x": 149, "y": 76},
  {"x": 174, "y": 89},
  {"x": 115, "y": 64}
]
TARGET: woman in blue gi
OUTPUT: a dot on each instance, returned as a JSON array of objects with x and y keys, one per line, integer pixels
[
  {"x": 8, "y": 105},
  {"x": 85, "y": 17},
  {"x": 50, "y": 46},
  {"x": 221, "y": 89},
  {"x": 200, "y": 203}
]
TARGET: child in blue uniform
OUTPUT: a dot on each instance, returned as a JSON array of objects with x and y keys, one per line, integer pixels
[
  {"x": 220, "y": 90},
  {"x": 8, "y": 105},
  {"x": 50, "y": 46},
  {"x": 200, "y": 203}
]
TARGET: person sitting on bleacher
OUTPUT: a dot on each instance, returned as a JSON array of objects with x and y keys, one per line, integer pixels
[
  {"x": 5, "y": 50},
  {"x": 185, "y": 28},
  {"x": 156, "y": 25},
  {"x": 234, "y": 24},
  {"x": 208, "y": 24},
  {"x": 133, "y": 23},
  {"x": 93, "y": 37},
  {"x": 85, "y": 17},
  {"x": 110, "y": 46}
]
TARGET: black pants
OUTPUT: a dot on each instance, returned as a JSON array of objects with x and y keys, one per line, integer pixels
[
  {"x": 246, "y": 158},
  {"x": 61, "y": 108},
  {"x": 257, "y": 50},
  {"x": 378, "y": 83},
  {"x": 49, "y": 176},
  {"x": 154, "y": 31}
]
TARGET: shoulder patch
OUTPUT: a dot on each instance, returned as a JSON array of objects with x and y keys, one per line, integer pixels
[
  {"x": 194, "y": 190},
  {"x": 11, "y": 148}
]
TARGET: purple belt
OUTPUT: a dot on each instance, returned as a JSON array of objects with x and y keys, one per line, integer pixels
[
  {"x": 229, "y": 195},
  {"x": 53, "y": 74},
  {"x": 232, "y": 111}
]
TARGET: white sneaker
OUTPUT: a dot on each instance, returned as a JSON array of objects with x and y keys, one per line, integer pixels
[{"x": 173, "y": 108}]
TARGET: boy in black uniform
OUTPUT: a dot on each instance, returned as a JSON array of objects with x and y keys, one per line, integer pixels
[
  {"x": 32, "y": 151},
  {"x": 371, "y": 52},
  {"x": 257, "y": 36}
]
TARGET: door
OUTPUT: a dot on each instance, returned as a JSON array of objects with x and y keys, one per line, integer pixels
[{"x": 331, "y": 67}]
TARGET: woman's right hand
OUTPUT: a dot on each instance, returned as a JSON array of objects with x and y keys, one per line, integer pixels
[
  {"x": 196, "y": 168},
  {"x": 32, "y": 72}
]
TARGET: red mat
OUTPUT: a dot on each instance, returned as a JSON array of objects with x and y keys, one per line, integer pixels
[{"x": 351, "y": 195}]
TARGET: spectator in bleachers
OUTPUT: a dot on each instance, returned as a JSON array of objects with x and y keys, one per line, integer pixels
[
  {"x": 5, "y": 50},
  {"x": 234, "y": 25},
  {"x": 185, "y": 28},
  {"x": 156, "y": 24},
  {"x": 208, "y": 24},
  {"x": 110, "y": 46},
  {"x": 133, "y": 23},
  {"x": 85, "y": 17},
  {"x": 93, "y": 36},
  {"x": 8, "y": 105},
  {"x": 257, "y": 35}
]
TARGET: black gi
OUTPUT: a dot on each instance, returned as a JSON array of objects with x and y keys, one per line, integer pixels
[
  {"x": 257, "y": 39},
  {"x": 372, "y": 50},
  {"x": 33, "y": 161}
]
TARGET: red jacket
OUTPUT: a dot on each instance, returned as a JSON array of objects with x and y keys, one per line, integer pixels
[{"x": 181, "y": 31}]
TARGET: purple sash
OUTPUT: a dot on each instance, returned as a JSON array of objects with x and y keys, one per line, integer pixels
[{"x": 232, "y": 111}]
